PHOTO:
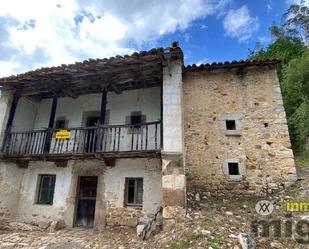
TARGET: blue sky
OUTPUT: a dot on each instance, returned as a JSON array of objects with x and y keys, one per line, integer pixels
[
  {"x": 209, "y": 42},
  {"x": 37, "y": 33}
]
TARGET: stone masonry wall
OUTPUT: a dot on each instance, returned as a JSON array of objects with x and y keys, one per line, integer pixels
[{"x": 260, "y": 144}]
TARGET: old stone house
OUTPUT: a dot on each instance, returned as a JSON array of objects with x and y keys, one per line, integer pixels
[{"x": 109, "y": 141}]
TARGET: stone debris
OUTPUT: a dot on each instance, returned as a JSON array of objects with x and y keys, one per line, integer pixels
[
  {"x": 153, "y": 226},
  {"x": 56, "y": 225},
  {"x": 246, "y": 241},
  {"x": 206, "y": 233},
  {"x": 233, "y": 236},
  {"x": 276, "y": 245},
  {"x": 22, "y": 227}
]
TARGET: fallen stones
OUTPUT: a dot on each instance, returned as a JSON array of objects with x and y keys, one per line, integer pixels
[
  {"x": 246, "y": 241},
  {"x": 140, "y": 229},
  {"x": 233, "y": 236},
  {"x": 22, "y": 226},
  {"x": 275, "y": 245},
  {"x": 206, "y": 233},
  {"x": 56, "y": 225}
]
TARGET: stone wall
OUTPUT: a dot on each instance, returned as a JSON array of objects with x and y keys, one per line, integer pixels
[
  {"x": 259, "y": 144},
  {"x": 150, "y": 171},
  {"x": 10, "y": 186},
  {"x": 19, "y": 187}
]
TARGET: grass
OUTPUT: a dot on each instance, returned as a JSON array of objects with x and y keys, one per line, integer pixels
[
  {"x": 215, "y": 242},
  {"x": 185, "y": 243},
  {"x": 302, "y": 159},
  {"x": 292, "y": 191}
]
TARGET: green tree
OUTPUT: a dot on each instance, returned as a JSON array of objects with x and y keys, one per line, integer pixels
[
  {"x": 288, "y": 44},
  {"x": 295, "y": 90}
]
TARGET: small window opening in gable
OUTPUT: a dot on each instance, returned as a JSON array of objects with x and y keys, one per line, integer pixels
[
  {"x": 46, "y": 189},
  {"x": 134, "y": 192},
  {"x": 230, "y": 125},
  {"x": 233, "y": 169}
]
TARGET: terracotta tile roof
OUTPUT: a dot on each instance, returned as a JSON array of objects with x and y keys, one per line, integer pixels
[
  {"x": 227, "y": 64},
  {"x": 88, "y": 65}
]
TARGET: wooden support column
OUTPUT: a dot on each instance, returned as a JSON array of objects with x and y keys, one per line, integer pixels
[
  {"x": 53, "y": 112},
  {"x": 100, "y": 130},
  {"x": 9, "y": 123},
  {"x": 103, "y": 107},
  {"x": 52, "y": 116}
]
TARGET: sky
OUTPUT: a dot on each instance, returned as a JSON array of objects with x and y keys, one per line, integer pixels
[{"x": 40, "y": 33}]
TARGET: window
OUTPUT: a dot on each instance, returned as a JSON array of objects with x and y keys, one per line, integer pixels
[
  {"x": 134, "y": 192},
  {"x": 135, "y": 120},
  {"x": 230, "y": 125},
  {"x": 46, "y": 189},
  {"x": 233, "y": 169},
  {"x": 60, "y": 124}
]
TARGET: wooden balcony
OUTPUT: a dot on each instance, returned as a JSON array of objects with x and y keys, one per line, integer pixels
[{"x": 104, "y": 141}]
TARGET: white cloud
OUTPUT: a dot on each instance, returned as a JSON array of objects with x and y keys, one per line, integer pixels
[
  {"x": 202, "y": 61},
  {"x": 239, "y": 24},
  {"x": 264, "y": 39},
  {"x": 43, "y": 32},
  {"x": 305, "y": 2},
  {"x": 187, "y": 37}
]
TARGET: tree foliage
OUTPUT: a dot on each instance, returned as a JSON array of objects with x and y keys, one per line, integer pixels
[
  {"x": 289, "y": 45},
  {"x": 295, "y": 90}
]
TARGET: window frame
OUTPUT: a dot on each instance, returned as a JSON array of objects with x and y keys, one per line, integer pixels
[
  {"x": 40, "y": 188},
  {"x": 126, "y": 194},
  {"x": 241, "y": 169},
  {"x": 236, "y": 117}
]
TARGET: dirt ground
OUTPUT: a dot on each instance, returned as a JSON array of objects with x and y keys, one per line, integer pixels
[{"x": 211, "y": 223}]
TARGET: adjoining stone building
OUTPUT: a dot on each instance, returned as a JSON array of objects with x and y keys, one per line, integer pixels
[{"x": 110, "y": 141}]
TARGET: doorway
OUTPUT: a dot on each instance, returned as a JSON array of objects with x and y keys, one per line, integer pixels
[{"x": 86, "y": 201}]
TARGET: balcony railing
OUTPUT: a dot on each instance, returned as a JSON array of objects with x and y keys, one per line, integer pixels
[{"x": 84, "y": 140}]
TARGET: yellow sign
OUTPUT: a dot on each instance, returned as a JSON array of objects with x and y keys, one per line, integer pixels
[{"x": 63, "y": 134}]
